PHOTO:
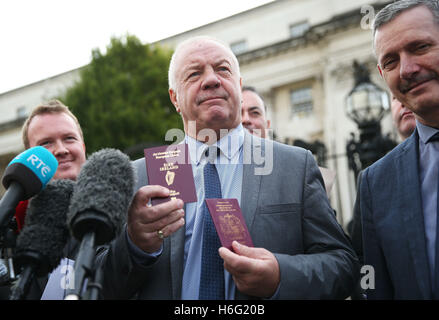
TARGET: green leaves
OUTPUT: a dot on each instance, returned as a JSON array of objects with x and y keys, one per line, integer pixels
[{"x": 122, "y": 99}]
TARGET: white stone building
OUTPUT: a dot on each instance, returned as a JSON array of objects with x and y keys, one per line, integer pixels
[{"x": 297, "y": 53}]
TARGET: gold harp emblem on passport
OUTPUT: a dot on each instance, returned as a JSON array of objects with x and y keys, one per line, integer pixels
[
  {"x": 231, "y": 226},
  {"x": 170, "y": 175}
]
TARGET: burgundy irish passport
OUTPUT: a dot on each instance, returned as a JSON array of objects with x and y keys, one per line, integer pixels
[
  {"x": 170, "y": 166},
  {"x": 229, "y": 222}
]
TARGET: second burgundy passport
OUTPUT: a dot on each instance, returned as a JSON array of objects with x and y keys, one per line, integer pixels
[{"x": 229, "y": 222}]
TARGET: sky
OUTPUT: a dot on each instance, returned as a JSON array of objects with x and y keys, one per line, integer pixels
[{"x": 43, "y": 38}]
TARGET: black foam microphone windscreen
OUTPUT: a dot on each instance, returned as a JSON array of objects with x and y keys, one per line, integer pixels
[
  {"x": 102, "y": 195},
  {"x": 45, "y": 231},
  {"x": 40, "y": 245}
]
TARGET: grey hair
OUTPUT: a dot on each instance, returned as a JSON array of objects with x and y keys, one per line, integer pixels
[
  {"x": 391, "y": 11},
  {"x": 171, "y": 70}
]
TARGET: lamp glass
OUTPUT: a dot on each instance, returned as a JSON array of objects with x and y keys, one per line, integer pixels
[{"x": 367, "y": 103}]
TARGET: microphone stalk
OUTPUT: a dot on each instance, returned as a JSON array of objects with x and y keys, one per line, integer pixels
[
  {"x": 83, "y": 265},
  {"x": 27, "y": 275},
  {"x": 95, "y": 287},
  {"x": 26, "y": 278}
]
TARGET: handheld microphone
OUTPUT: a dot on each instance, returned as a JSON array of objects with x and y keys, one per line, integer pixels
[
  {"x": 25, "y": 176},
  {"x": 100, "y": 201},
  {"x": 40, "y": 244}
]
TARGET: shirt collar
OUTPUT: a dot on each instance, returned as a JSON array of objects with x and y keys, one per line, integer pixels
[
  {"x": 425, "y": 132},
  {"x": 229, "y": 145}
]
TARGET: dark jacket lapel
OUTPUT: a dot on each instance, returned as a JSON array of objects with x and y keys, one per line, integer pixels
[
  {"x": 176, "y": 243},
  {"x": 251, "y": 183},
  {"x": 407, "y": 166}
]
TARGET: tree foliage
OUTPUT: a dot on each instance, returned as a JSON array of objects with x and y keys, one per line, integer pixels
[{"x": 122, "y": 99}]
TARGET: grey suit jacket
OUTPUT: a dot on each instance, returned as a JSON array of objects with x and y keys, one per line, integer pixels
[
  {"x": 393, "y": 229},
  {"x": 287, "y": 212}
]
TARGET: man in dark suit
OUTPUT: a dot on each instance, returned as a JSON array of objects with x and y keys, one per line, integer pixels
[
  {"x": 398, "y": 194},
  {"x": 405, "y": 123},
  {"x": 300, "y": 251}
]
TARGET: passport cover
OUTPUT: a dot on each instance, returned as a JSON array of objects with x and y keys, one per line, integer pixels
[
  {"x": 170, "y": 166},
  {"x": 229, "y": 222}
]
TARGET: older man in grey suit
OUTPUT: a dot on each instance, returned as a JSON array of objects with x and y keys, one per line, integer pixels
[{"x": 300, "y": 251}]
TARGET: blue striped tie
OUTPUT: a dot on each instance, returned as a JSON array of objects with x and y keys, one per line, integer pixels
[{"x": 212, "y": 270}]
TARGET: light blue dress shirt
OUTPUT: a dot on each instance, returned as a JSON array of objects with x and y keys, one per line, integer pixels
[
  {"x": 229, "y": 167},
  {"x": 429, "y": 173}
]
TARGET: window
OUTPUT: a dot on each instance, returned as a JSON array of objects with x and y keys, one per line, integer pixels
[
  {"x": 301, "y": 101},
  {"x": 299, "y": 29},
  {"x": 239, "y": 47}
]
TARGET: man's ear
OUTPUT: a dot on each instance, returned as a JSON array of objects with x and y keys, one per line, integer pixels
[
  {"x": 268, "y": 124},
  {"x": 173, "y": 97}
]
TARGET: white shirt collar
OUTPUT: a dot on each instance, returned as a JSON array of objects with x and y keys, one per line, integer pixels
[{"x": 229, "y": 145}]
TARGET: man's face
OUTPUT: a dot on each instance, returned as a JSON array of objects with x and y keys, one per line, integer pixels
[
  {"x": 403, "y": 118},
  {"x": 208, "y": 87},
  {"x": 59, "y": 133},
  {"x": 407, "y": 49},
  {"x": 253, "y": 114}
]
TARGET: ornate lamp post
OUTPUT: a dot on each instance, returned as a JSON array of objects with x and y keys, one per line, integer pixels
[{"x": 366, "y": 105}]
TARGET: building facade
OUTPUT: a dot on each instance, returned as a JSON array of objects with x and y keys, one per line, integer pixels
[{"x": 297, "y": 53}]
